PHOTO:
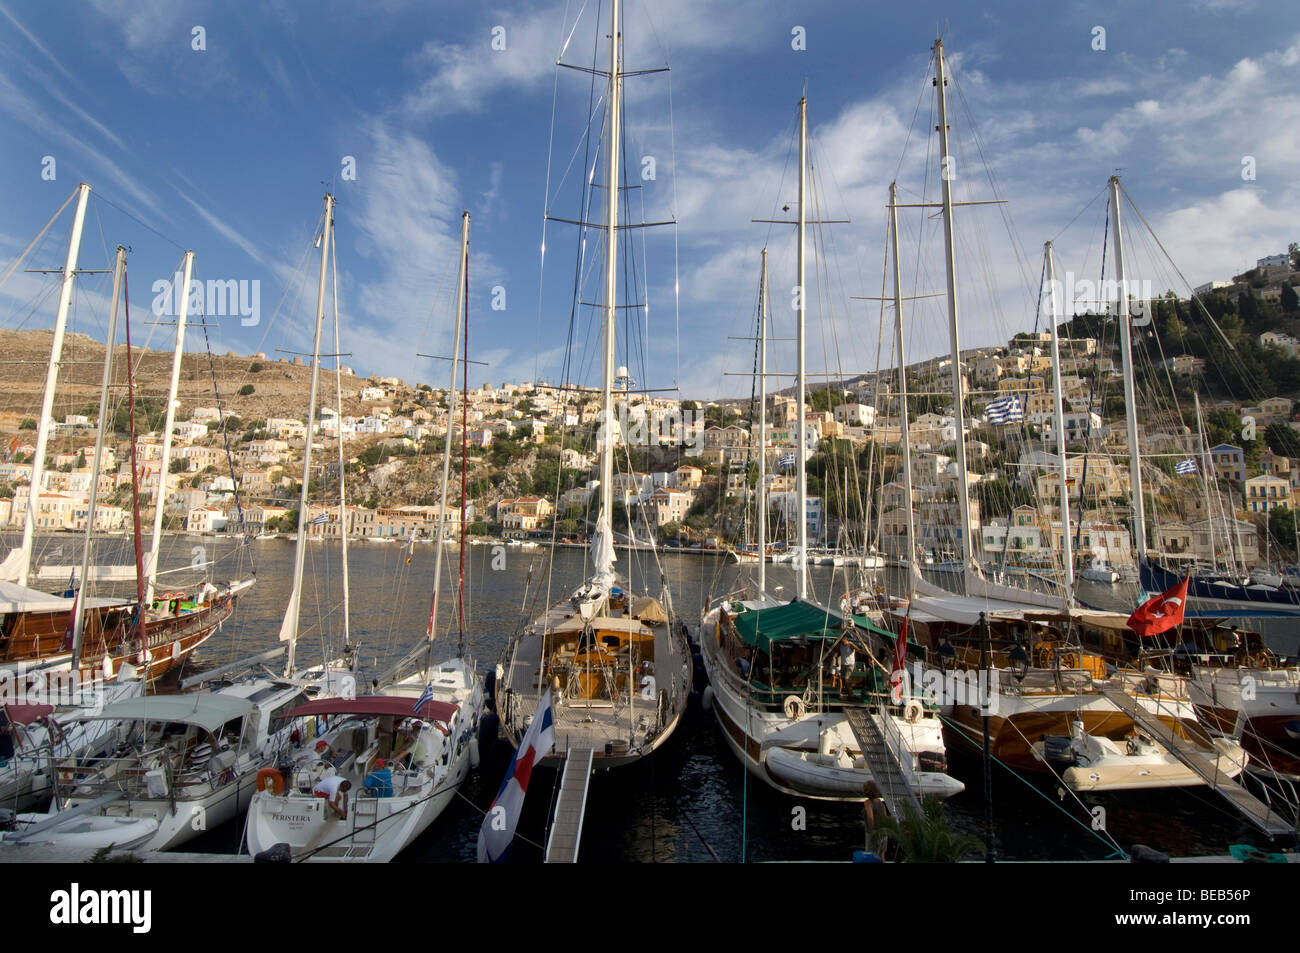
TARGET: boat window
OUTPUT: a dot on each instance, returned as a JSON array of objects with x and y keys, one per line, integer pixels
[{"x": 278, "y": 714}]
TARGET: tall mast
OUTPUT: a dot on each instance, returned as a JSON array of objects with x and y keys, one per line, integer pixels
[
  {"x": 51, "y": 380},
  {"x": 913, "y": 569},
  {"x": 762, "y": 428},
  {"x": 965, "y": 551},
  {"x": 1130, "y": 397},
  {"x": 604, "y": 568},
  {"x": 338, "y": 411},
  {"x": 801, "y": 293},
  {"x": 431, "y": 630},
  {"x": 164, "y": 463},
  {"x": 1058, "y": 414},
  {"x": 289, "y": 628},
  {"x": 79, "y": 606}
]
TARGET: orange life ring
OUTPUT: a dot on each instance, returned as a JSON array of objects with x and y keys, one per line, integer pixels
[{"x": 269, "y": 779}]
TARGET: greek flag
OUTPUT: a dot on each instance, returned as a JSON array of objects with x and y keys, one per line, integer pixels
[
  {"x": 317, "y": 520},
  {"x": 1004, "y": 410},
  {"x": 1185, "y": 467},
  {"x": 787, "y": 460},
  {"x": 426, "y": 696}
]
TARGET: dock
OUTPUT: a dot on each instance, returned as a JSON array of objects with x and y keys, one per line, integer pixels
[
  {"x": 570, "y": 807},
  {"x": 885, "y": 769},
  {"x": 1251, "y": 807}
]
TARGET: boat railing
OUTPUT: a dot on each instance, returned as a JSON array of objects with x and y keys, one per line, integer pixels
[{"x": 893, "y": 736}]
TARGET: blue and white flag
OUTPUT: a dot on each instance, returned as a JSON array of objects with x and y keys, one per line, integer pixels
[
  {"x": 426, "y": 696},
  {"x": 498, "y": 829},
  {"x": 1185, "y": 467},
  {"x": 317, "y": 520},
  {"x": 1004, "y": 410},
  {"x": 786, "y": 460}
]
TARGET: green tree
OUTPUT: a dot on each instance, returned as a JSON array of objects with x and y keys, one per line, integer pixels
[
  {"x": 178, "y": 465},
  {"x": 922, "y": 836},
  {"x": 246, "y": 390},
  {"x": 1282, "y": 440},
  {"x": 255, "y": 368},
  {"x": 27, "y": 424}
]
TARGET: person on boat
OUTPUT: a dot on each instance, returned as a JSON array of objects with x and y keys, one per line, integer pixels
[
  {"x": 334, "y": 790},
  {"x": 325, "y": 751},
  {"x": 379, "y": 782},
  {"x": 405, "y": 748},
  {"x": 848, "y": 661}
]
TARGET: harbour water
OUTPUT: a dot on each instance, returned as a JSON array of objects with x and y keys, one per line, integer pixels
[{"x": 690, "y": 802}]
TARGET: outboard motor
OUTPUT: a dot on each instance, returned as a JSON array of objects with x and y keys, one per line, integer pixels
[{"x": 1056, "y": 751}]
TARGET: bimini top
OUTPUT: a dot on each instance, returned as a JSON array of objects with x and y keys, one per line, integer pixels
[
  {"x": 16, "y": 598},
  {"x": 431, "y": 710},
  {"x": 204, "y": 709},
  {"x": 760, "y": 628}
]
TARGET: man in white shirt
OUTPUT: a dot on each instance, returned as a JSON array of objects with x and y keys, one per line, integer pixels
[{"x": 334, "y": 789}]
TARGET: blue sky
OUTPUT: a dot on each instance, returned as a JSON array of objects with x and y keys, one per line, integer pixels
[{"x": 228, "y": 150}]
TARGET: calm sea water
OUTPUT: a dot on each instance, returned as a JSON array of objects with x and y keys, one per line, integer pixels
[{"x": 692, "y": 801}]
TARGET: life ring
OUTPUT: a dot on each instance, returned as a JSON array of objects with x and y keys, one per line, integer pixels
[
  {"x": 912, "y": 711},
  {"x": 269, "y": 779},
  {"x": 794, "y": 707}
]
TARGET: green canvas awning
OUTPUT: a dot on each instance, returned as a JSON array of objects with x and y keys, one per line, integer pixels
[{"x": 761, "y": 628}]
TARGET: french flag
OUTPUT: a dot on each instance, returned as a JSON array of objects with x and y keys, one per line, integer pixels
[{"x": 498, "y": 829}]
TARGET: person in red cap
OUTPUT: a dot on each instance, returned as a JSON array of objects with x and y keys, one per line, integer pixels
[{"x": 379, "y": 782}]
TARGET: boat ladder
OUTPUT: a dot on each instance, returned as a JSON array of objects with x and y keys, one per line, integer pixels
[
  {"x": 881, "y": 759},
  {"x": 566, "y": 826},
  {"x": 365, "y": 826},
  {"x": 1251, "y": 807}
]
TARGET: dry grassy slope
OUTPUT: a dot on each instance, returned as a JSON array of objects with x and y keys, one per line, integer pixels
[{"x": 278, "y": 390}]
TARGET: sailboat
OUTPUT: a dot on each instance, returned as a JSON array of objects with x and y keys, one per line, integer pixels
[
  {"x": 404, "y": 752},
  {"x": 149, "y": 636},
  {"x": 618, "y": 662},
  {"x": 785, "y": 684},
  {"x": 1026, "y": 673}
]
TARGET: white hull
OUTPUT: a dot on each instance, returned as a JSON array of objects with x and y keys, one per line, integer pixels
[
  {"x": 87, "y": 833},
  {"x": 377, "y": 829}
]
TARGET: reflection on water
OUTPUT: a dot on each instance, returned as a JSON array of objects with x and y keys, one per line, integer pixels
[{"x": 692, "y": 801}]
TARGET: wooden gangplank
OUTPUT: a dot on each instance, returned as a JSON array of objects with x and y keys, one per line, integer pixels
[
  {"x": 885, "y": 769},
  {"x": 1251, "y": 807},
  {"x": 570, "y": 807}
]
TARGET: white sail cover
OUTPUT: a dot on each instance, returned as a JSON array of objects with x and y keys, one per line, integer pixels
[
  {"x": 991, "y": 599},
  {"x": 602, "y": 553}
]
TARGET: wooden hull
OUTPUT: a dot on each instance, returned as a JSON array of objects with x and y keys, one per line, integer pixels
[{"x": 38, "y": 640}]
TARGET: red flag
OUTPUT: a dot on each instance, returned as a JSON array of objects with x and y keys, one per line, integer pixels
[
  {"x": 900, "y": 659},
  {"x": 1160, "y": 613}
]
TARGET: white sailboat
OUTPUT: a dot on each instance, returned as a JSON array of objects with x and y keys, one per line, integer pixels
[
  {"x": 784, "y": 682},
  {"x": 618, "y": 662},
  {"x": 404, "y": 752}
]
